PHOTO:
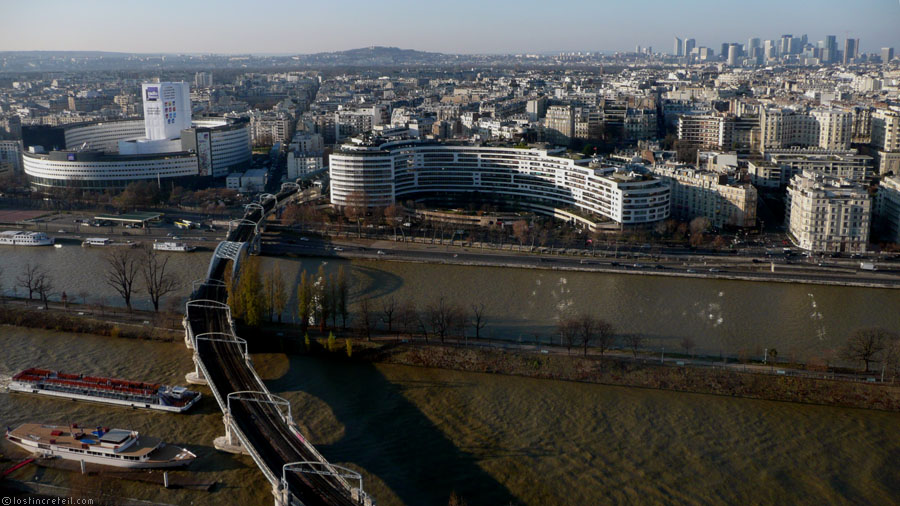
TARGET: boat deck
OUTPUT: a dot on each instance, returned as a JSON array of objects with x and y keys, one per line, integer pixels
[{"x": 62, "y": 436}]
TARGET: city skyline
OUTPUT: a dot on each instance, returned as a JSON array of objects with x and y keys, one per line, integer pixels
[{"x": 468, "y": 28}]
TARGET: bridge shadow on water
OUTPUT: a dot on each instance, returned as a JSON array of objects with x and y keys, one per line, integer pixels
[
  {"x": 388, "y": 436},
  {"x": 365, "y": 281}
]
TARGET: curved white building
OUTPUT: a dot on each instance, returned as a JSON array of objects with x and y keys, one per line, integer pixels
[
  {"x": 378, "y": 175},
  {"x": 110, "y": 155},
  {"x": 96, "y": 170},
  {"x": 103, "y": 135}
]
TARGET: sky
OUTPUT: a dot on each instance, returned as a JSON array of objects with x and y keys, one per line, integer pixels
[{"x": 457, "y": 26}]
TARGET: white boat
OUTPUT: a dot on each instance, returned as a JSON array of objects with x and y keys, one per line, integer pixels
[
  {"x": 57, "y": 245},
  {"x": 116, "y": 447},
  {"x": 173, "y": 246},
  {"x": 22, "y": 238},
  {"x": 96, "y": 241}
]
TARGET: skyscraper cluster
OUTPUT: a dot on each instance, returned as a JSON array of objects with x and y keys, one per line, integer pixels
[{"x": 787, "y": 47}]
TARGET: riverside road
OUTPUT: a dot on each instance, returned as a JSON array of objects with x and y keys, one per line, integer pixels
[{"x": 843, "y": 272}]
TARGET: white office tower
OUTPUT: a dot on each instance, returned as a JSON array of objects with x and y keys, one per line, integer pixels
[
  {"x": 733, "y": 55},
  {"x": 167, "y": 110}
]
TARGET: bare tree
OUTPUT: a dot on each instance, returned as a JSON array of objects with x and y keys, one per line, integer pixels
[
  {"x": 478, "y": 319},
  {"x": 688, "y": 344},
  {"x": 422, "y": 322},
  {"x": 157, "y": 282},
  {"x": 587, "y": 331},
  {"x": 568, "y": 332},
  {"x": 44, "y": 287},
  {"x": 520, "y": 231},
  {"x": 892, "y": 357},
  {"x": 407, "y": 317},
  {"x": 28, "y": 278},
  {"x": 355, "y": 210},
  {"x": 865, "y": 345},
  {"x": 367, "y": 317},
  {"x": 342, "y": 300},
  {"x": 635, "y": 342},
  {"x": 123, "y": 269},
  {"x": 388, "y": 312},
  {"x": 604, "y": 336},
  {"x": 335, "y": 300},
  {"x": 443, "y": 317}
]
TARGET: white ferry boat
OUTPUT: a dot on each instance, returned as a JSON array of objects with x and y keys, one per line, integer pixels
[
  {"x": 116, "y": 447},
  {"x": 22, "y": 238},
  {"x": 96, "y": 241},
  {"x": 78, "y": 387},
  {"x": 173, "y": 246}
]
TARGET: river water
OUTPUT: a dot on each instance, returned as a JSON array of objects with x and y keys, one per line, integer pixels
[
  {"x": 418, "y": 435},
  {"x": 720, "y": 316}
]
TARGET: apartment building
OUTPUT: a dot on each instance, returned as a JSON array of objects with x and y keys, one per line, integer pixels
[
  {"x": 703, "y": 193},
  {"x": 822, "y": 128},
  {"x": 560, "y": 123},
  {"x": 834, "y": 128},
  {"x": 886, "y": 139},
  {"x": 887, "y": 209},
  {"x": 268, "y": 128},
  {"x": 826, "y": 214},
  {"x": 10, "y": 156}
]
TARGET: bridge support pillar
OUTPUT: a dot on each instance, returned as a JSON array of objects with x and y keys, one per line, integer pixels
[
  {"x": 187, "y": 335},
  {"x": 229, "y": 442},
  {"x": 195, "y": 377},
  {"x": 282, "y": 496}
]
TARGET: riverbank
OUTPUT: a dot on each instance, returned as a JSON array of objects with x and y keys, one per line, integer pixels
[
  {"x": 88, "y": 319},
  {"x": 781, "y": 383},
  {"x": 682, "y": 376}
]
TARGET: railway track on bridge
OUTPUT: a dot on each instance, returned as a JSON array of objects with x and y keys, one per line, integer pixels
[{"x": 274, "y": 439}]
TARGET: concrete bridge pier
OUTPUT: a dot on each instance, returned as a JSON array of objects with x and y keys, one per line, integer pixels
[
  {"x": 196, "y": 377},
  {"x": 230, "y": 442},
  {"x": 187, "y": 334},
  {"x": 282, "y": 496}
]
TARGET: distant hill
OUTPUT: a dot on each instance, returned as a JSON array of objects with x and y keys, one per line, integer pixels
[
  {"x": 374, "y": 55},
  {"x": 30, "y": 61}
]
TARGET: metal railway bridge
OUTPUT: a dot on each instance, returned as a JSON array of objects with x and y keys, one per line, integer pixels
[{"x": 256, "y": 422}]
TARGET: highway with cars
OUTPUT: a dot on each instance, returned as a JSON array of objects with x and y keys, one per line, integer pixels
[{"x": 754, "y": 268}]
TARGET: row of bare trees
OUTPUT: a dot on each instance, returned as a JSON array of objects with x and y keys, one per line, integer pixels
[
  {"x": 127, "y": 270},
  {"x": 35, "y": 279},
  {"x": 439, "y": 318},
  {"x": 127, "y": 267},
  {"x": 586, "y": 331}
]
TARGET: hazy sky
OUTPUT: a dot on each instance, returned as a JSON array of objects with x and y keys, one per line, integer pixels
[{"x": 456, "y": 26}]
